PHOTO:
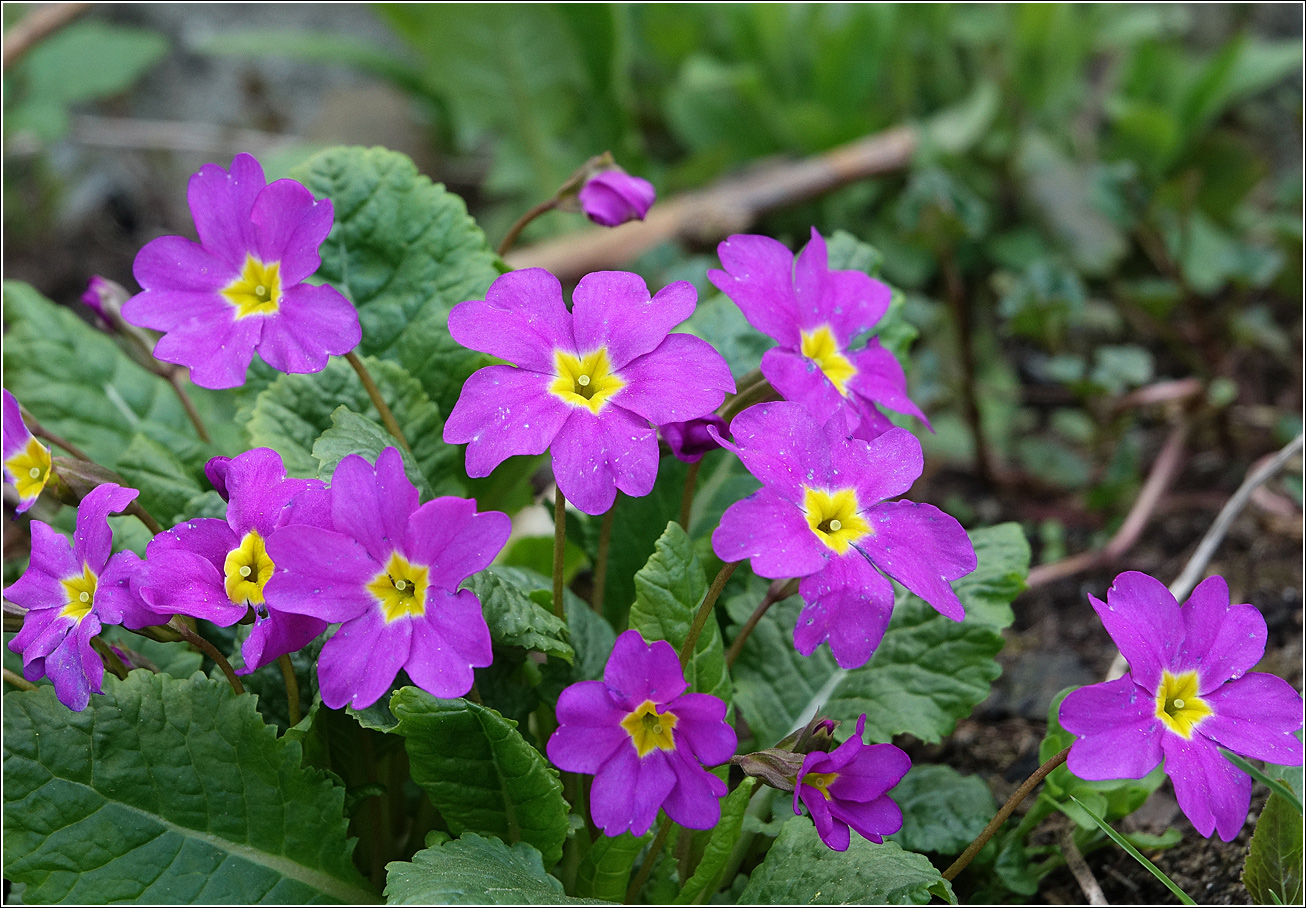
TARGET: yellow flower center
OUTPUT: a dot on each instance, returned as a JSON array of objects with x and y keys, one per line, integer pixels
[
  {"x": 1177, "y": 703},
  {"x": 821, "y": 781},
  {"x": 30, "y": 468},
  {"x": 649, "y": 730},
  {"x": 247, "y": 570},
  {"x": 401, "y": 588},
  {"x": 81, "y": 594},
  {"x": 258, "y": 289},
  {"x": 588, "y": 382},
  {"x": 821, "y": 348},
  {"x": 834, "y": 518}
]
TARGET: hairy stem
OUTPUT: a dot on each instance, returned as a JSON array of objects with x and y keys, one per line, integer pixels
[
  {"x": 559, "y": 541},
  {"x": 691, "y": 639},
  {"x": 41, "y": 431},
  {"x": 601, "y": 558},
  {"x": 779, "y": 589},
  {"x": 209, "y": 650},
  {"x": 1001, "y": 817},
  {"x": 292, "y": 688},
  {"x": 687, "y": 498},
  {"x": 964, "y": 324},
  {"x": 374, "y": 393},
  {"x": 515, "y": 230},
  {"x": 174, "y": 379},
  {"x": 647, "y": 867},
  {"x": 18, "y": 681}
]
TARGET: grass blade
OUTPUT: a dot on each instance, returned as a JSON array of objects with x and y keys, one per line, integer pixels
[
  {"x": 1285, "y": 791},
  {"x": 1135, "y": 853}
]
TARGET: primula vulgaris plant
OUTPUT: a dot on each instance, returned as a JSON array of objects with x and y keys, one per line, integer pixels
[{"x": 374, "y": 564}]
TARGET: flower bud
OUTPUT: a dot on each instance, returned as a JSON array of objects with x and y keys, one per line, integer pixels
[
  {"x": 613, "y": 197},
  {"x": 689, "y": 441},
  {"x": 105, "y": 298}
]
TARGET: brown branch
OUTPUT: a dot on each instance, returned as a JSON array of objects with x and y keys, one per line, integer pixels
[
  {"x": 37, "y": 26},
  {"x": 729, "y": 207}
]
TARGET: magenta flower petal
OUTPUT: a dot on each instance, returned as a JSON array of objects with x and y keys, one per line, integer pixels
[
  {"x": 221, "y": 201},
  {"x": 1212, "y": 792},
  {"x": 1256, "y": 716},
  {"x": 1100, "y": 756},
  {"x": 594, "y": 456},
  {"x": 278, "y": 634},
  {"x": 694, "y": 801},
  {"x": 504, "y": 411},
  {"x": 74, "y": 667},
  {"x": 793, "y": 447},
  {"x": 185, "y": 583},
  {"x": 174, "y": 265},
  {"x": 290, "y": 226},
  {"x": 319, "y": 573},
  {"x": 851, "y": 301},
  {"x": 451, "y": 640},
  {"x": 588, "y": 706},
  {"x": 923, "y": 549},
  {"x": 454, "y": 539},
  {"x": 208, "y": 537},
  {"x": 1226, "y": 640},
  {"x": 872, "y": 820},
  {"x": 117, "y": 601},
  {"x": 639, "y": 671},
  {"x": 848, "y": 605},
  {"x": 773, "y": 533},
  {"x": 217, "y": 349},
  {"x": 522, "y": 320},
  {"x": 628, "y": 791},
  {"x": 666, "y": 387},
  {"x": 314, "y": 324},
  {"x": 799, "y": 380},
  {"x": 259, "y": 492},
  {"x": 885, "y": 467},
  {"x": 373, "y": 504},
  {"x": 613, "y": 309},
  {"x": 880, "y": 378},
  {"x": 1143, "y": 619},
  {"x": 613, "y": 197},
  {"x": 360, "y": 662},
  {"x": 50, "y": 562},
  {"x": 758, "y": 278},
  {"x": 702, "y": 724}
]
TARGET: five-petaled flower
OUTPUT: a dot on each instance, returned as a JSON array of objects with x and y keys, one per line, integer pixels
[
  {"x": 1188, "y": 693},
  {"x": 241, "y": 288},
  {"x": 816, "y": 315},
  {"x": 822, "y": 515},
  {"x": 218, "y": 569},
  {"x": 849, "y": 786},
  {"x": 70, "y": 591},
  {"x": 613, "y": 197},
  {"x": 26, "y": 460},
  {"x": 644, "y": 740},
  {"x": 389, "y": 570},
  {"x": 586, "y": 383}
]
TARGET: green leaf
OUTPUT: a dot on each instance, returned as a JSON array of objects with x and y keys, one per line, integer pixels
[
  {"x": 515, "y": 619},
  {"x": 480, "y": 773},
  {"x": 166, "y": 484},
  {"x": 668, "y": 592},
  {"x": 167, "y": 791},
  {"x": 604, "y": 872},
  {"x": 1134, "y": 853},
  {"x": 354, "y": 434},
  {"x": 707, "y": 875},
  {"x": 474, "y": 870},
  {"x": 943, "y": 811},
  {"x": 1272, "y": 873},
  {"x": 801, "y": 869}
]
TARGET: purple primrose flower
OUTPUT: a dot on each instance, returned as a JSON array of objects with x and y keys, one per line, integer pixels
[
  {"x": 1188, "y": 693},
  {"x": 241, "y": 288},
  {"x": 644, "y": 740},
  {"x": 613, "y": 197},
  {"x": 389, "y": 570},
  {"x": 849, "y": 786},
  {"x": 822, "y": 515},
  {"x": 689, "y": 441},
  {"x": 26, "y": 460},
  {"x": 70, "y": 591},
  {"x": 815, "y": 315},
  {"x": 586, "y": 383},
  {"x": 218, "y": 569}
]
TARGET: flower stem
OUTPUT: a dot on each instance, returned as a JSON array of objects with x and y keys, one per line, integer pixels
[
  {"x": 41, "y": 431},
  {"x": 110, "y": 659},
  {"x": 996, "y": 823},
  {"x": 209, "y": 650},
  {"x": 377, "y": 401},
  {"x": 687, "y": 499},
  {"x": 18, "y": 681},
  {"x": 779, "y": 589},
  {"x": 144, "y": 517},
  {"x": 691, "y": 640},
  {"x": 515, "y": 230},
  {"x": 646, "y": 868},
  {"x": 601, "y": 559},
  {"x": 559, "y": 541},
  {"x": 292, "y": 688},
  {"x": 174, "y": 379}
]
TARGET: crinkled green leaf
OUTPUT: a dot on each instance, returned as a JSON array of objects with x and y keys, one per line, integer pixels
[
  {"x": 707, "y": 875},
  {"x": 801, "y": 869},
  {"x": 165, "y": 483},
  {"x": 168, "y": 791},
  {"x": 590, "y": 635},
  {"x": 474, "y": 870},
  {"x": 987, "y": 592},
  {"x": 354, "y": 434},
  {"x": 942, "y": 810},
  {"x": 480, "y": 773},
  {"x": 668, "y": 592},
  {"x": 514, "y": 618},
  {"x": 604, "y": 872},
  {"x": 1273, "y": 873}
]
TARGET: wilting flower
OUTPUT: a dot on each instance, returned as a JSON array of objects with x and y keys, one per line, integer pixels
[
  {"x": 70, "y": 591},
  {"x": 1188, "y": 693},
  {"x": 389, "y": 570},
  {"x": 26, "y": 460},
  {"x": 241, "y": 288},
  {"x": 689, "y": 441},
  {"x": 849, "y": 786},
  {"x": 586, "y": 383},
  {"x": 613, "y": 197},
  {"x": 644, "y": 740},
  {"x": 218, "y": 569},
  {"x": 822, "y": 515},
  {"x": 816, "y": 315}
]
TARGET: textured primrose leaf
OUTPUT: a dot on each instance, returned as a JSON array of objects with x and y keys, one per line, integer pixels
[
  {"x": 668, "y": 592},
  {"x": 604, "y": 872},
  {"x": 480, "y": 773},
  {"x": 801, "y": 869},
  {"x": 515, "y": 619},
  {"x": 354, "y": 434},
  {"x": 927, "y": 673},
  {"x": 474, "y": 870},
  {"x": 167, "y": 791},
  {"x": 406, "y": 252},
  {"x": 1273, "y": 873},
  {"x": 707, "y": 875},
  {"x": 165, "y": 483},
  {"x": 943, "y": 811}
]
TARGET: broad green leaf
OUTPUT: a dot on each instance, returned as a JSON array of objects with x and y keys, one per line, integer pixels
[
  {"x": 514, "y": 618},
  {"x": 166, "y": 484},
  {"x": 943, "y": 811},
  {"x": 801, "y": 869},
  {"x": 474, "y": 870},
  {"x": 987, "y": 592},
  {"x": 176, "y": 659},
  {"x": 668, "y": 592},
  {"x": 480, "y": 773},
  {"x": 604, "y": 872},
  {"x": 351, "y": 433},
  {"x": 707, "y": 875},
  {"x": 1273, "y": 872},
  {"x": 168, "y": 791}
]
